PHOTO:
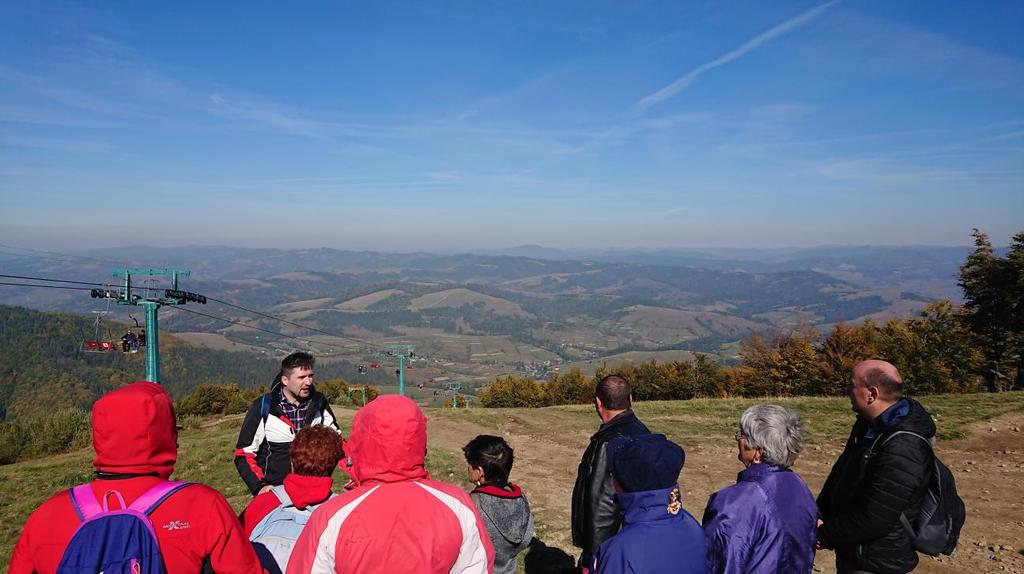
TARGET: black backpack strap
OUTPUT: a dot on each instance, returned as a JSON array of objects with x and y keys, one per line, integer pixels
[
  {"x": 929, "y": 442},
  {"x": 907, "y": 526},
  {"x": 886, "y": 438}
]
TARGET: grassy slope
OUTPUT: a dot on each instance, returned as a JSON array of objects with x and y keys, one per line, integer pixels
[{"x": 206, "y": 453}]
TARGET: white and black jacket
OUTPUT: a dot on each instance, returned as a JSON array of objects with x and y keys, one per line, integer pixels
[{"x": 263, "y": 451}]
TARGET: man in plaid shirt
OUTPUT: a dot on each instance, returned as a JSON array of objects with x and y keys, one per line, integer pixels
[{"x": 263, "y": 451}]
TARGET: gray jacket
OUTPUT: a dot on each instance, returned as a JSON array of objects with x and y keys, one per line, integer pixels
[{"x": 509, "y": 522}]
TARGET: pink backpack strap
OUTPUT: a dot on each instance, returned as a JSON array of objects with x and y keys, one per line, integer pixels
[
  {"x": 84, "y": 501},
  {"x": 152, "y": 498}
]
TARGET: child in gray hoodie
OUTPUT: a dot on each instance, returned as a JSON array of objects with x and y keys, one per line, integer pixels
[{"x": 502, "y": 505}]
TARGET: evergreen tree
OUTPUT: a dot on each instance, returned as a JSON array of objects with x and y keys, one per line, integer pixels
[
  {"x": 986, "y": 280},
  {"x": 1015, "y": 260}
]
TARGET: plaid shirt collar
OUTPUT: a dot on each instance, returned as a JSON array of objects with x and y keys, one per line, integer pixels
[{"x": 296, "y": 414}]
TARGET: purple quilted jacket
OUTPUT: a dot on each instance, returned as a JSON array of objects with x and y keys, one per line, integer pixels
[{"x": 763, "y": 524}]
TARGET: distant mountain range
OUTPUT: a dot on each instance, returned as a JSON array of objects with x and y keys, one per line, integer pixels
[
  {"x": 488, "y": 312},
  {"x": 928, "y": 270}
]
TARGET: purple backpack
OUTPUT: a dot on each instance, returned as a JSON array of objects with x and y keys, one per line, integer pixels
[{"x": 119, "y": 540}]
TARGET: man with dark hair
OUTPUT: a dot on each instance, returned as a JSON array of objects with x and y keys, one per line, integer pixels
[
  {"x": 614, "y": 393},
  {"x": 262, "y": 453},
  {"x": 880, "y": 477},
  {"x": 595, "y": 516}
]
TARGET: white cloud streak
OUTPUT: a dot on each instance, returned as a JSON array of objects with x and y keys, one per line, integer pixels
[{"x": 750, "y": 45}]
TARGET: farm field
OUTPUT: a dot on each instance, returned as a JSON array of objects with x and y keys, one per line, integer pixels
[{"x": 980, "y": 439}]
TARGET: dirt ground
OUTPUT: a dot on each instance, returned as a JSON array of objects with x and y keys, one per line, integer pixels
[{"x": 988, "y": 465}]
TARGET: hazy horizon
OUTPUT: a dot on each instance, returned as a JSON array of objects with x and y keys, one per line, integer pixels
[{"x": 14, "y": 248}]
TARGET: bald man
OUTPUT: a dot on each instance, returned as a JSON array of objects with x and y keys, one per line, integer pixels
[{"x": 878, "y": 476}]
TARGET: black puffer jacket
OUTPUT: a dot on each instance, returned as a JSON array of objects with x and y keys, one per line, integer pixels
[
  {"x": 595, "y": 517},
  {"x": 865, "y": 493}
]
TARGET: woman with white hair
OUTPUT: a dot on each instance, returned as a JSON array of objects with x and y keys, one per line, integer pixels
[{"x": 767, "y": 521}]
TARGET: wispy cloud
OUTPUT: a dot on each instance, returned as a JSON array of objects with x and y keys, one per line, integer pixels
[
  {"x": 518, "y": 91},
  {"x": 16, "y": 114},
  {"x": 78, "y": 99},
  {"x": 882, "y": 173},
  {"x": 261, "y": 112},
  {"x": 52, "y": 144},
  {"x": 1005, "y": 136},
  {"x": 750, "y": 45}
]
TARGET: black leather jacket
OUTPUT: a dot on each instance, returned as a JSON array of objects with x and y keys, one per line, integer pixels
[
  {"x": 595, "y": 517},
  {"x": 863, "y": 497}
]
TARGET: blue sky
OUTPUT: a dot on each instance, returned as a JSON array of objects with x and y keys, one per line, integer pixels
[{"x": 570, "y": 124}]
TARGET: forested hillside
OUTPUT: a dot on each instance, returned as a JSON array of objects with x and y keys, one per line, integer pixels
[{"x": 43, "y": 367}]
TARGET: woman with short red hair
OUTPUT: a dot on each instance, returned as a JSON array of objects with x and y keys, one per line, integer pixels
[{"x": 274, "y": 519}]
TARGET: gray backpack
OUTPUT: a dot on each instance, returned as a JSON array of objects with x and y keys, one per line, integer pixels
[{"x": 274, "y": 537}]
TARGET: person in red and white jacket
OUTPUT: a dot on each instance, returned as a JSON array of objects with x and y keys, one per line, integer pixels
[
  {"x": 136, "y": 443},
  {"x": 396, "y": 519}
]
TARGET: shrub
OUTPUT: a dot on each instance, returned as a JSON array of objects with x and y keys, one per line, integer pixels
[
  {"x": 335, "y": 391},
  {"x": 569, "y": 388},
  {"x": 57, "y": 432},
  {"x": 12, "y": 442},
  {"x": 214, "y": 400},
  {"x": 356, "y": 394},
  {"x": 514, "y": 391}
]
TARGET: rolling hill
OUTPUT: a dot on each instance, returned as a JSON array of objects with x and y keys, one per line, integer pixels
[{"x": 507, "y": 308}]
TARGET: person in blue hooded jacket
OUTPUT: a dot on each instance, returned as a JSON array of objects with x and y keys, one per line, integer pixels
[
  {"x": 765, "y": 523},
  {"x": 657, "y": 536}
]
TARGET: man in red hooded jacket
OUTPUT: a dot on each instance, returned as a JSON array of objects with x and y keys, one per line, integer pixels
[
  {"x": 136, "y": 443},
  {"x": 396, "y": 519}
]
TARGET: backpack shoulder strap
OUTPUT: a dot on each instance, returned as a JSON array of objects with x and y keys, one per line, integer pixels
[
  {"x": 904, "y": 521},
  {"x": 282, "y": 495},
  {"x": 882, "y": 439},
  {"x": 907, "y": 527},
  {"x": 84, "y": 502},
  {"x": 153, "y": 497},
  {"x": 265, "y": 406},
  {"x": 888, "y": 437}
]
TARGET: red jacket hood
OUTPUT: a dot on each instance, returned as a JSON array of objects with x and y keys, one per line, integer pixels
[
  {"x": 388, "y": 441},
  {"x": 133, "y": 431}
]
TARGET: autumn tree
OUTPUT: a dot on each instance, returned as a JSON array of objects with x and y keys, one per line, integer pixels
[
  {"x": 513, "y": 391},
  {"x": 781, "y": 365},
  {"x": 844, "y": 347},
  {"x": 569, "y": 388}
]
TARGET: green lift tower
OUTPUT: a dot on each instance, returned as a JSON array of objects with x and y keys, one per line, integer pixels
[{"x": 130, "y": 296}]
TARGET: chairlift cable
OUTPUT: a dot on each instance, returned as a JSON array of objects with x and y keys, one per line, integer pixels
[
  {"x": 45, "y": 286},
  {"x": 241, "y": 324},
  {"x": 292, "y": 323},
  {"x": 27, "y": 278},
  {"x": 217, "y": 300}
]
